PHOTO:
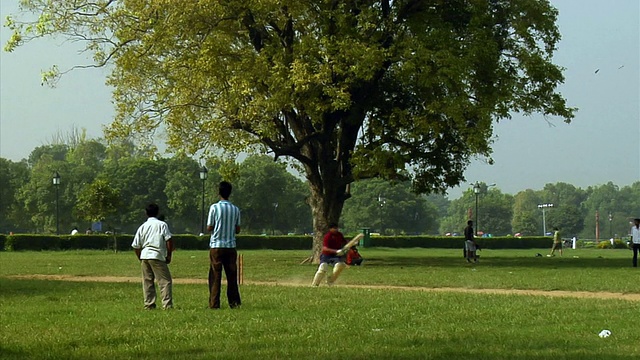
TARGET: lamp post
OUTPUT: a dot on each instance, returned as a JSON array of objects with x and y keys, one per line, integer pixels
[
  {"x": 610, "y": 233},
  {"x": 56, "y": 184},
  {"x": 476, "y": 191},
  {"x": 381, "y": 201},
  {"x": 275, "y": 207},
  {"x": 203, "y": 176},
  {"x": 544, "y": 220}
]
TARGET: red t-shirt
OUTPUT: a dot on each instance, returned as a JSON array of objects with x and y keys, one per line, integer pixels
[{"x": 333, "y": 240}]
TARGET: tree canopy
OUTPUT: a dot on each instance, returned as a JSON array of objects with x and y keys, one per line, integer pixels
[{"x": 401, "y": 89}]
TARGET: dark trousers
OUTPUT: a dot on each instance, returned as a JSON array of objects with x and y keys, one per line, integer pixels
[
  {"x": 636, "y": 249},
  {"x": 223, "y": 258}
]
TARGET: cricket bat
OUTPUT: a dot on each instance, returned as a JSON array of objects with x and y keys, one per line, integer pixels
[{"x": 352, "y": 242}]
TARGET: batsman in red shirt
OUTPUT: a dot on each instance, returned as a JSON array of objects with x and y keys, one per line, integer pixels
[{"x": 332, "y": 256}]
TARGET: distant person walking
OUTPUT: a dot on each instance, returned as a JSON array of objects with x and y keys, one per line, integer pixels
[
  {"x": 470, "y": 242},
  {"x": 153, "y": 246},
  {"x": 224, "y": 223},
  {"x": 557, "y": 242},
  {"x": 635, "y": 240}
]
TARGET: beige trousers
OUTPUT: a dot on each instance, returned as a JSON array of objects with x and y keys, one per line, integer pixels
[{"x": 153, "y": 270}]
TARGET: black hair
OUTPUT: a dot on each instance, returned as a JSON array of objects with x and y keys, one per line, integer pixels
[
  {"x": 333, "y": 225},
  {"x": 152, "y": 210},
  {"x": 470, "y": 222},
  {"x": 224, "y": 189}
]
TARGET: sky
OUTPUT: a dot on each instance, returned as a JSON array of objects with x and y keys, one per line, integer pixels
[{"x": 600, "y": 49}]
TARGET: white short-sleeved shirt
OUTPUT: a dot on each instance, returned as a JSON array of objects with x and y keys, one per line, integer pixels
[
  {"x": 224, "y": 217},
  {"x": 152, "y": 237},
  {"x": 635, "y": 232}
]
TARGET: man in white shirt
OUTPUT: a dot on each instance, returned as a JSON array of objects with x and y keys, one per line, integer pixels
[
  {"x": 153, "y": 246},
  {"x": 635, "y": 240}
]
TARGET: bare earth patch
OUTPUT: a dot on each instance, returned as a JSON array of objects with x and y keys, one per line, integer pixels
[{"x": 554, "y": 293}]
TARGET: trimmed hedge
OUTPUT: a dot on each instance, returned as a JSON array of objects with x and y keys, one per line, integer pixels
[
  {"x": 246, "y": 242},
  {"x": 274, "y": 242},
  {"x": 449, "y": 242},
  {"x": 66, "y": 242},
  {"x": 123, "y": 242}
]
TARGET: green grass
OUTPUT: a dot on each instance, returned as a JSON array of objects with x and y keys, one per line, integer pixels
[
  {"x": 592, "y": 270},
  {"x": 67, "y": 320}
]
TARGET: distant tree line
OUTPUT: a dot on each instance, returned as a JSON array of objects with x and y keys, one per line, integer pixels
[{"x": 112, "y": 184}]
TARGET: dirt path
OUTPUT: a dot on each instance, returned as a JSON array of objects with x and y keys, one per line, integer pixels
[{"x": 554, "y": 293}]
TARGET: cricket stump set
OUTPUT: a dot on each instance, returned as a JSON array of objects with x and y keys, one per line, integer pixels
[{"x": 240, "y": 266}]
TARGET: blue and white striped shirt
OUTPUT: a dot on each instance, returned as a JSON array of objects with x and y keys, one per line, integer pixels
[{"x": 223, "y": 217}]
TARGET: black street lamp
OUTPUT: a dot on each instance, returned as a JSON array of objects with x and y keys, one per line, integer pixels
[
  {"x": 56, "y": 184},
  {"x": 477, "y": 187},
  {"x": 476, "y": 191},
  {"x": 203, "y": 176},
  {"x": 273, "y": 227},
  {"x": 381, "y": 201}
]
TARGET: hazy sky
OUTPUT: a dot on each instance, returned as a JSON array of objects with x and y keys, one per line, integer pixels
[{"x": 602, "y": 144}]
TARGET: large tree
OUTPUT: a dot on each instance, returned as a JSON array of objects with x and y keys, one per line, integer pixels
[
  {"x": 13, "y": 175},
  {"x": 402, "y": 89}
]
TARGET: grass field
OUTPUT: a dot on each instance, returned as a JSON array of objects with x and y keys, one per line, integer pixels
[{"x": 44, "y": 319}]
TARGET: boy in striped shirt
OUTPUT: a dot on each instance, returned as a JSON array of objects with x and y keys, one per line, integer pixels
[{"x": 224, "y": 223}]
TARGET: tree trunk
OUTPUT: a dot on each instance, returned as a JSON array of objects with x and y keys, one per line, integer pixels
[{"x": 326, "y": 201}]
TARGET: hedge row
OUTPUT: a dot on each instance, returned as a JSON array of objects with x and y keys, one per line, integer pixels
[
  {"x": 448, "y": 242},
  {"x": 66, "y": 242},
  {"x": 123, "y": 242},
  {"x": 246, "y": 242}
]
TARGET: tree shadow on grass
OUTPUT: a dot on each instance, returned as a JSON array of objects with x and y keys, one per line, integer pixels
[
  {"x": 507, "y": 262},
  {"x": 34, "y": 287}
]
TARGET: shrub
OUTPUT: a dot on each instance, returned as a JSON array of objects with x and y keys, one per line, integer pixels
[
  {"x": 122, "y": 242},
  {"x": 32, "y": 242},
  {"x": 449, "y": 242},
  {"x": 620, "y": 244},
  {"x": 287, "y": 242},
  {"x": 617, "y": 244},
  {"x": 191, "y": 242}
]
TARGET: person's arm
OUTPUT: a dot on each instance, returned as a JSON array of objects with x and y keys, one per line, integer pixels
[
  {"x": 137, "y": 244},
  {"x": 170, "y": 248},
  {"x": 330, "y": 250},
  {"x": 238, "y": 223},
  {"x": 210, "y": 218}
]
